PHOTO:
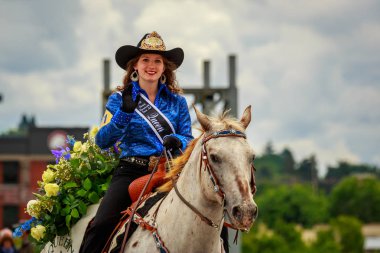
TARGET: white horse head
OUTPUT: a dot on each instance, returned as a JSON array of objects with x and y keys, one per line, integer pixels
[{"x": 230, "y": 157}]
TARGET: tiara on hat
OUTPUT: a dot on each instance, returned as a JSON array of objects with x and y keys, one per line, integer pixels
[{"x": 153, "y": 41}]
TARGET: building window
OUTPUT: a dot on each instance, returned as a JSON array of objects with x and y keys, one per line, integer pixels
[
  {"x": 10, "y": 215},
  {"x": 10, "y": 172}
]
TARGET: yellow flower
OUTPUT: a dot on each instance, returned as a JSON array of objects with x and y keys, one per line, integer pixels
[
  {"x": 85, "y": 147},
  {"x": 33, "y": 208},
  {"x": 94, "y": 131},
  {"x": 48, "y": 176},
  {"x": 51, "y": 189},
  {"x": 77, "y": 146},
  {"x": 38, "y": 232}
]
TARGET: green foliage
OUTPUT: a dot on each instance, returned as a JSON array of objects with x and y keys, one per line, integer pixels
[
  {"x": 292, "y": 204},
  {"x": 349, "y": 233},
  {"x": 357, "y": 197},
  {"x": 307, "y": 170},
  {"x": 345, "y": 169},
  {"x": 79, "y": 179},
  {"x": 284, "y": 238},
  {"x": 325, "y": 243}
]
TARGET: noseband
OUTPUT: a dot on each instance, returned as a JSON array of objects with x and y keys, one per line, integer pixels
[{"x": 216, "y": 185}]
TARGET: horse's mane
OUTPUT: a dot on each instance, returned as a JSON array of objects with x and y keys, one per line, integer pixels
[{"x": 179, "y": 163}]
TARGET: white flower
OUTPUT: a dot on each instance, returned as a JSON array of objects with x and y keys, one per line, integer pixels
[
  {"x": 38, "y": 232},
  {"x": 32, "y": 208},
  {"x": 51, "y": 189}
]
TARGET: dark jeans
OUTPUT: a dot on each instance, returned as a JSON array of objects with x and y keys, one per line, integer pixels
[{"x": 115, "y": 201}]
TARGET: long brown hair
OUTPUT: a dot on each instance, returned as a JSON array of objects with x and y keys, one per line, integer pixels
[{"x": 171, "y": 81}]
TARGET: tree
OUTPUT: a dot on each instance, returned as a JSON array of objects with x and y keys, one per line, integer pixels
[
  {"x": 307, "y": 170},
  {"x": 288, "y": 161},
  {"x": 344, "y": 169},
  {"x": 292, "y": 204},
  {"x": 358, "y": 197},
  {"x": 284, "y": 238},
  {"x": 269, "y": 149},
  {"x": 325, "y": 243},
  {"x": 349, "y": 233}
]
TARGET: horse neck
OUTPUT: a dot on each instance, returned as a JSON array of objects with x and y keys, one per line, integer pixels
[
  {"x": 190, "y": 185},
  {"x": 180, "y": 215}
]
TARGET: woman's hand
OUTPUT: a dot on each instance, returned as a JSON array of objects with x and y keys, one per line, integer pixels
[
  {"x": 171, "y": 143},
  {"x": 128, "y": 104}
]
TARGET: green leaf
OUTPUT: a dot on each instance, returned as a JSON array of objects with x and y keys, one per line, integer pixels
[
  {"x": 74, "y": 213},
  {"x": 93, "y": 197},
  {"x": 47, "y": 217},
  {"x": 82, "y": 208},
  {"x": 104, "y": 187},
  {"x": 72, "y": 198},
  {"x": 81, "y": 192},
  {"x": 70, "y": 185},
  {"x": 74, "y": 162},
  {"x": 66, "y": 210},
  {"x": 87, "y": 184},
  {"x": 68, "y": 219},
  {"x": 66, "y": 201}
]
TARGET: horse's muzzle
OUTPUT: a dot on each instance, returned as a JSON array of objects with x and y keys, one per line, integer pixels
[{"x": 245, "y": 214}]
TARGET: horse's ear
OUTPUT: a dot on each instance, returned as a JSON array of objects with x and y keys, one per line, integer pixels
[
  {"x": 203, "y": 119},
  {"x": 246, "y": 118}
]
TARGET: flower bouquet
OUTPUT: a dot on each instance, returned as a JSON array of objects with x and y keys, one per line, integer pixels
[{"x": 79, "y": 178}]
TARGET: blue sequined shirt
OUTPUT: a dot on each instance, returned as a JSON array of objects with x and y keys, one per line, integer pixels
[{"x": 134, "y": 133}]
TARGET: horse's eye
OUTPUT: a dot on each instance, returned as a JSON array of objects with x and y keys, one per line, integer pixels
[{"x": 215, "y": 158}]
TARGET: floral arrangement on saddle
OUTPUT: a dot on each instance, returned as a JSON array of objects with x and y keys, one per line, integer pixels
[{"x": 79, "y": 178}]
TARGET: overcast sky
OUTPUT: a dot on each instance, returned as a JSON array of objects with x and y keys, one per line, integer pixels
[{"x": 310, "y": 69}]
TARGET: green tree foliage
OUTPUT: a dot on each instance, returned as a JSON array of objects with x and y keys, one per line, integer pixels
[
  {"x": 307, "y": 170},
  {"x": 357, "y": 197},
  {"x": 292, "y": 204},
  {"x": 345, "y": 169},
  {"x": 349, "y": 234},
  {"x": 283, "y": 239},
  {"x": 273, "y": 169},
  {"x": 325, "y": 243},
  {"x": 288, "y": 162}
]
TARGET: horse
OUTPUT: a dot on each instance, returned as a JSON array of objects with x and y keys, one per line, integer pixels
[{"x": 213, "y": 179}]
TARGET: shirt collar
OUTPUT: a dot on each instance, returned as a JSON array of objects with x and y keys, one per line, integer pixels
[{"x": 136, "y": 89}]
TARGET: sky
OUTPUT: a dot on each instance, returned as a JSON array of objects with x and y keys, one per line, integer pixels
[{"x": 310, "y": 69}]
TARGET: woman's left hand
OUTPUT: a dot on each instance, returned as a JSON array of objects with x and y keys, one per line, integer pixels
[{"x": 172, "y": 143}]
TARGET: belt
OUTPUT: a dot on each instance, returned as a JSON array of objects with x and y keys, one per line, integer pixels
[{"x": 149, "y": 161}]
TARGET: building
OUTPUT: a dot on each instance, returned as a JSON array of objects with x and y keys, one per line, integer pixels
[{"x": 23, "y": 158}]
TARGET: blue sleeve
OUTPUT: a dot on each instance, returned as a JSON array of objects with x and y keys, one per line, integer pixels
[
  {"x": 183, "y": 131},
  {"x": 109, "y": 134}
]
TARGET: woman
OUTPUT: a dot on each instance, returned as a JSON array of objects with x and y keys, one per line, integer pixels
[{"x": 146, "y": 115}]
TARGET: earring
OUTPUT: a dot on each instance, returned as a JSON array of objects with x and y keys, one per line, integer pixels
[
  {"x": 163, "y": 79},
  {"x": 134, "y": 76}
]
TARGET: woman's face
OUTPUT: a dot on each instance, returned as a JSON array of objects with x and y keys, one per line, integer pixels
[{"x": 150, "y": 67}]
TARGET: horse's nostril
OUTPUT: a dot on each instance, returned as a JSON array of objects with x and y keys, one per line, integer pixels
[{"x": 237, "y": 212}]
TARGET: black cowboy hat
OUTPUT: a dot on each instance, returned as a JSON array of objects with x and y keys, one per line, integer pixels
[{"x": 150, "y": 43}]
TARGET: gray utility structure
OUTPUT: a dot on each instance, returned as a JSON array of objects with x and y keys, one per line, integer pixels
[{"x": 209, "y": 97}]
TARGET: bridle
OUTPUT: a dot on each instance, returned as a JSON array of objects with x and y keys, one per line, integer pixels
[{"x": 216, "y": 185}]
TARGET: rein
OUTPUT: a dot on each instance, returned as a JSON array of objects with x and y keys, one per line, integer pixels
[{"x": 216, "y": 185}]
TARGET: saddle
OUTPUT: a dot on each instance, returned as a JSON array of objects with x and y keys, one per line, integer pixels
[{"x": 136, "y": 187}]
